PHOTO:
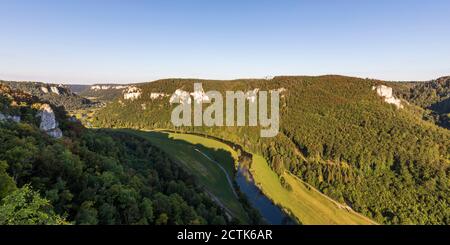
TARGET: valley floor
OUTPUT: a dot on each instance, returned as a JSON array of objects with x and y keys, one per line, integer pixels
[{"x": 303, "y": 201}]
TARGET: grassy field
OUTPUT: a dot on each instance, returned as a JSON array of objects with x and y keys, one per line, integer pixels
[
  {"x": 304, "y": 202},
  {"x": 219, "y": 151},
  {"x": 188, "y": 150}
]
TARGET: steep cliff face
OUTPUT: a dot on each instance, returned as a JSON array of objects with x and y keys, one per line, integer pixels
[
  {"x": 48, "y": 122},
  {"x": 10, "y": 110},
  {"x": 386, "y": 93},
  {"x": 106, "y": 87},
  {"x": 132, "y": 93}
]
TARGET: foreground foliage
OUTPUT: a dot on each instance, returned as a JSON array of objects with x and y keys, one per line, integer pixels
[
  {"x": 91, "y": 177},
  {"x": 25, "y": 207}
]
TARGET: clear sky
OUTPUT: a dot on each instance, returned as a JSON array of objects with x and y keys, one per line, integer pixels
[{"x": 136, "y": 41}]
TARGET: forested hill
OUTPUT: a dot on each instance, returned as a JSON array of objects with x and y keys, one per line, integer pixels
[
  {"x": 346, "y": 136},
  {"x": 55, "y": 94},
  {"x": 432, "y": 96},
  {"x": 100, "y": 92},
  {"x": 88, "y": 176},
  {"x": 78, "y": 88}
]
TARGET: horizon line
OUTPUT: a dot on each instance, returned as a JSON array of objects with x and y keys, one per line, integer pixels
[{"x": 216, "y": 79}]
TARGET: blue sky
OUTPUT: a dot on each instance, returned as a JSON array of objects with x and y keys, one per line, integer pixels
[{"x": 136, "y": 41}]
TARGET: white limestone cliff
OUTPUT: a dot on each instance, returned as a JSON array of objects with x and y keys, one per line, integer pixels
[
  {"x": 132, "y": 93},
  {"x": 106, "y": 87},
  {"x": 48, "y": 122},
  {"x": 386, "y": 93},
  {"x": 180, "y": 96},
  {"x": 44, "y": 90},
  {"x": 251, "y": 95},
  {"x": 200, "y": 96},
  {"x": 54, "y": 90},
  {"x": 158, "y": 95}
]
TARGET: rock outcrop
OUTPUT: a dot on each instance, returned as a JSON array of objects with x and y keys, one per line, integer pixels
[
  {"x": 251, "y": 95},
  {"x": 200, "y": 96},
  {"x": 13, "y": 118},
  {"x": 158, "y": 95},
  {"x": 180, "y": 96},
  {"x": 106, "y": 87},
  {"x": 132, "y": 93},
  {"x": 386, "y": 93},
  {"x": 44, "y": 90},
  {"x": 55, "y": 90},
  {"x": 48, "y": 122}
]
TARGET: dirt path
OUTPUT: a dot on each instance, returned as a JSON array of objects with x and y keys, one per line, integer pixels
[
  {"x": 228, "y": 212},
  {"x": 230, "y": 182}
]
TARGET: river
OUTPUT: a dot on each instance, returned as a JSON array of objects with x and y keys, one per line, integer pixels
[{"x": 270, "y": 212}]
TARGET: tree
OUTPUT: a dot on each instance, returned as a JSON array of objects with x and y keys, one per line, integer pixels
[
  {"x": 162, "y": 219},
  {"x": 25, "y": 207},
  {"x": 20, "y": 158},
  {"x": 147, "y": 211},
  {"x": 87, "y": 214},
  {"x": 7, "y": 184}
]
